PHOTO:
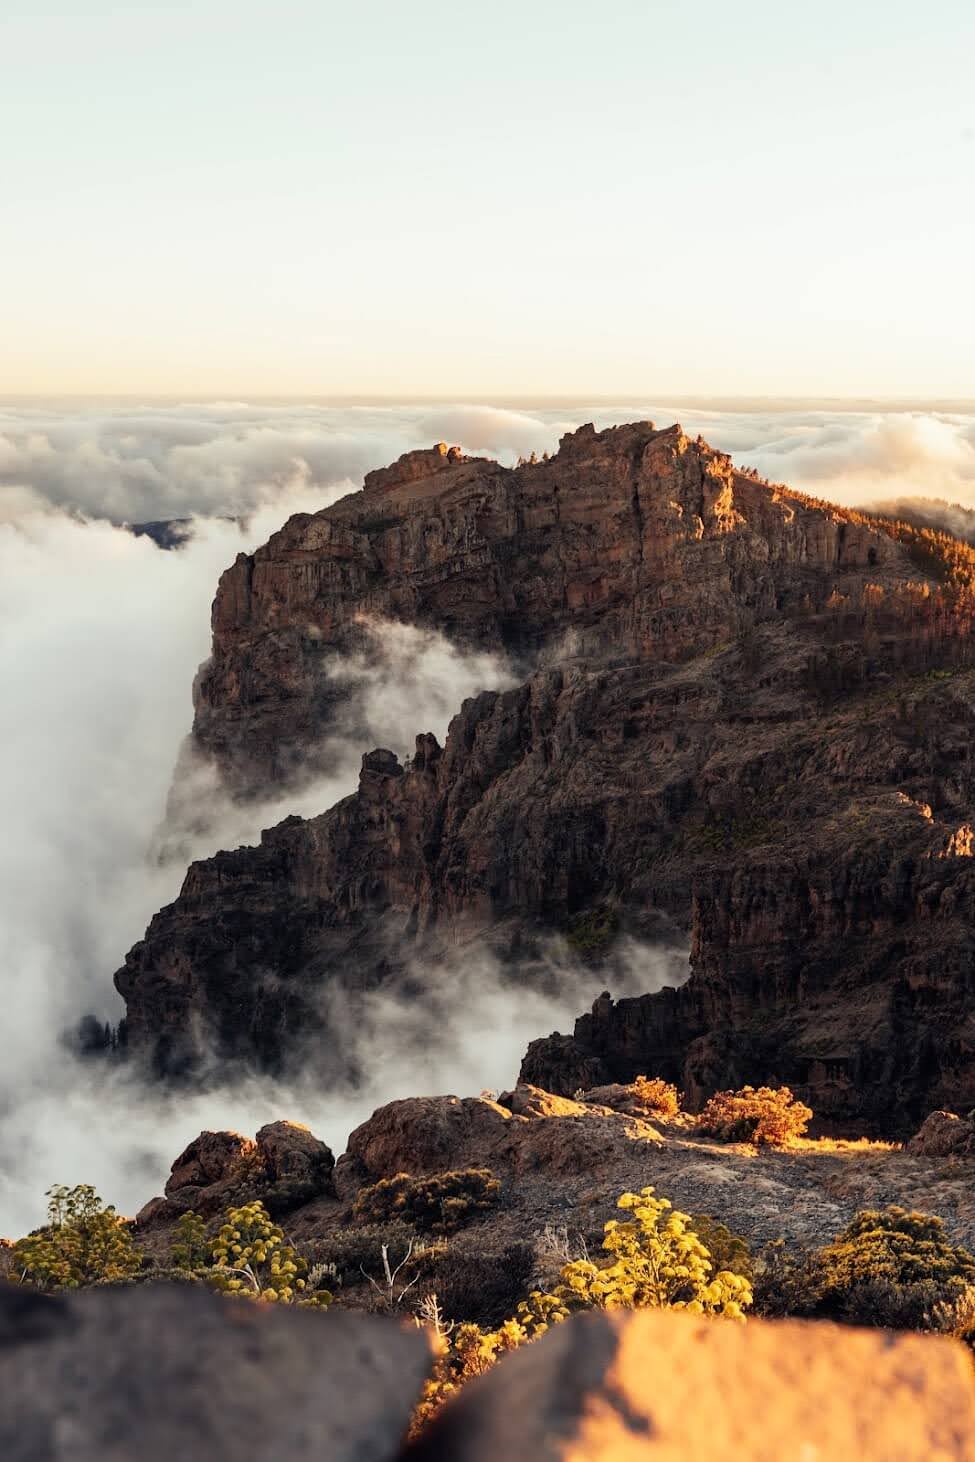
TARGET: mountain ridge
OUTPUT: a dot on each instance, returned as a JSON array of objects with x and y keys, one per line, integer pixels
[{"x": 754, "y": 733}]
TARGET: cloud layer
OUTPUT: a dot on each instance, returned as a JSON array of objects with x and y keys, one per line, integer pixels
[{"x": 136, "y": 464}]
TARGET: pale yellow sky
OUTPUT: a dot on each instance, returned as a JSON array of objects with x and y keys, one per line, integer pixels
[{"x": 302, "y": 199}]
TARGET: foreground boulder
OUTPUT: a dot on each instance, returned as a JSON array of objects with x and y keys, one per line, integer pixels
[
  {"x": 283, "y": 1166},
  {"x": 655, "y": 1384},
  {"x": 174, "y": 1374}
]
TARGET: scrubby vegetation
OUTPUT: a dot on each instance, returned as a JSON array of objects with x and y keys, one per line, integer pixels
[
  {"x": 654, "y": 1259},
  {"x": 251, "y": 1257},
  {"x": 593, "y": 932},
  {"x": 765, "y": 1115},
  {"x": 889, "y": 1268},
  {"x": 656, "y": 1095},
  {"x": 83, "y": 1242},
  {"x": 442, "y": 1203}
]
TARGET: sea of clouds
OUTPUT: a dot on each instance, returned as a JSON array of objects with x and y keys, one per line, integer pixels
[{"x": 101, "y": 633}]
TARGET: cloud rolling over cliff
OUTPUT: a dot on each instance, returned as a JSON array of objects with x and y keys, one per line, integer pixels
[{"x": 100, "y": 635}]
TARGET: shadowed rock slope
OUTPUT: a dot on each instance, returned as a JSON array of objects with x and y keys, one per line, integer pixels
[{"x": 749, "y": 722}]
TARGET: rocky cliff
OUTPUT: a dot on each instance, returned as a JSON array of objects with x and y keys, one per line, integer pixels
[
  {"x": 745, "y": 715},
  {"x": 630, "y": 541}
]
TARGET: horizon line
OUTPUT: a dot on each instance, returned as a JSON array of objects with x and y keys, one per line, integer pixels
[{"x": 706, "y": 400}]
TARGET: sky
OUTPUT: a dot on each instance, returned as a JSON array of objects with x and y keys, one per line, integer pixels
[{"x": 306, "y": 199}]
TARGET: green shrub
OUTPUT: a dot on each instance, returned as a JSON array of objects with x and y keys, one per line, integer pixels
[
  {"x": 191, "y": 1248},
  {"x": 786, "y": 1282},
  {"x": 768, "y": 1115},
  {"x": 592, "y": 933},
  {"x": 352, "y": 1250},
  {"x": 439, "y": 1204},
  {"x": 84, "y": 1242},
  {"x": 656, "y": 1260},
  {"x": 889, "y": 1267}
]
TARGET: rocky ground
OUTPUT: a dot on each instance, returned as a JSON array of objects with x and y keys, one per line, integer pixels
[{"x": 562, "y": 1164}]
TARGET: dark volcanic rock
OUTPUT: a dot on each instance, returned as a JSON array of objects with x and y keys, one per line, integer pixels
[
  {"x": 285, "y": 1165},
  {"x": 171, "y": 1372},
  {"x": 758, "y": 738}
]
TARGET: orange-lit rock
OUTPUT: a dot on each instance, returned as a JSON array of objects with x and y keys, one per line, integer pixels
[{"x": 624, "y": 1386}]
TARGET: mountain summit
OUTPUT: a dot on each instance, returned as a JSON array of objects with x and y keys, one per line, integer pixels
[{"x": 745, "y": 720}]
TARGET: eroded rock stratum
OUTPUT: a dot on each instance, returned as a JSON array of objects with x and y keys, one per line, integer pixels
[{"x": 745, "y": 721}]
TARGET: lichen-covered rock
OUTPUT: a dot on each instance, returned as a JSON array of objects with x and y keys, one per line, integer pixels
[{"x": 668, "y": 1387}]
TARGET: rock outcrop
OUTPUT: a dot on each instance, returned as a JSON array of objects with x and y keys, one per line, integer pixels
[
  {"x": 631, "y": 541},
  {"x": 539, "y": 1135},
  {"x": 657, "y": 1385},
  {"x": 284, "y": 1165},
  {"x": 756, "y": 737},
  {"x": 944, "y": 1134}
]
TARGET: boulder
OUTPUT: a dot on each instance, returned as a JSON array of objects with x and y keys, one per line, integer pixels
[
  {"x": 291, "y": 1150},
  {"x": 285, "y": 1165},
  {"x": 210, "y": 1158},
  {"x": 661, "y": 1385},
  {"x": 171, "y": 1372},
  {"x": 532, "y": 1101},
  {"x": 548, "y": 1135},
  {"x": 944, "y": 1134}
]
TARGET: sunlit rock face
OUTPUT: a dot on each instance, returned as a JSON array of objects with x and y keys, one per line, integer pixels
[
  {"x": 741, "y": 728},
  {"x": 631, "y": 542}
]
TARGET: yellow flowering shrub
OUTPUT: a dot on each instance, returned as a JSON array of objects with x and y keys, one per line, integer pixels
[
  {"x": 84, "y": 1242},
  {"x": 656, "y": 1261},
  {"x": 251, "y": 1257}
]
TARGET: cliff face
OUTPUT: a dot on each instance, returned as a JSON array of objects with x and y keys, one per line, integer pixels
[
  {"x": 744, "y": 737},
  {"x": 633, "y": 541}
]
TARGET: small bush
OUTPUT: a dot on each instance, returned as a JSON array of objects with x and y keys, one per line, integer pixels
[
  {"x": 655, "y": 1261},
  {"x": 482, "y": 1288},
  {"x": 767, "y": 1115},
  {"x": 349, "y": 1249},
  {"x": 191, "y": 1248},
  {"x": 656, "y": 1095},
  {"x": 786, "y": 1282},
  {"x": 889, "y": 1267},
  {"x": 84, "y": 1242},
  {"x": 591, "y": 934},
  {"x": 439, "y": 1204},
  {"x": 252, "y": 1258},
  {"x": 956, "y": 1318}
]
